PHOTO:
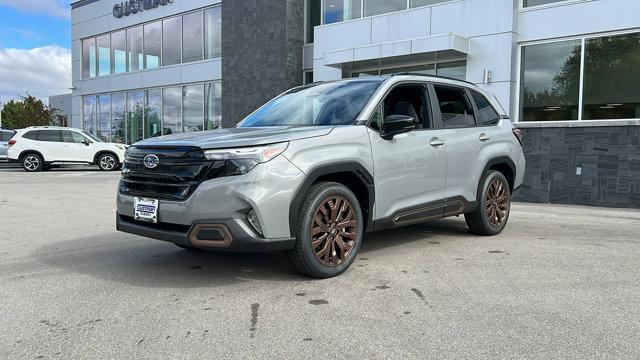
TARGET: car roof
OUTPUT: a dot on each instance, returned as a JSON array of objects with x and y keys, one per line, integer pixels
[{"x": 48, "y": 128}]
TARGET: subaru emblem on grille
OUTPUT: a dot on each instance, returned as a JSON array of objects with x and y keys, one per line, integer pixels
[{"x": 151, "y": 161}]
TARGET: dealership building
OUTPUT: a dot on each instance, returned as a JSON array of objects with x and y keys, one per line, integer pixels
[{"x": 567, "y": 72}]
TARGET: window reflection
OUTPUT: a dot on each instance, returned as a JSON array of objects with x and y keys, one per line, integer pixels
[
  {"x": 376, "y": 7},
  {"x": 171, "y": 40},
  {"x": 152, "y": 111},
  {"x": 118, "y": 123},
  {"x": 192, "y": 37},
  {"x": 341, "y": 10},
  {"x": 213, "y": 105},
  {"x": 611, "y": 77},
  {"x": 193, "y": 108},
  {"x": 550, "y": 81},
  {"x": 104, "y": 118},
  {"x": 171, "y": 110},
  {"x": 88, "y": 58},
  {"x": 119, "y": 52},
  {"x": 135, "y": 115},
  {"x": 134, "y": 48},
  {"x": 213, "y": 32},
  {"x": 104, "y": 56},
  {"x": 152, "y": 45}
]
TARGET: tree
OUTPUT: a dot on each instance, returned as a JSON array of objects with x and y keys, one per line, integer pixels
[{"x": 30, "y": 111}]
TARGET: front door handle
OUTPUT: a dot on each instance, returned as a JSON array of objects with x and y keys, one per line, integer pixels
[
  {"x": 484, "y": 137},
  {"x": 435, "y": 142}
]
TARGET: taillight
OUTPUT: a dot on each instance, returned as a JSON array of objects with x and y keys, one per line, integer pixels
[
  {"x": 518, "y": 135},
  {"x": 12, "y": 142}
]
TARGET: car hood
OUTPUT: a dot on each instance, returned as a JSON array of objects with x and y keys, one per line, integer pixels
[{"x": 238, "y": 137}]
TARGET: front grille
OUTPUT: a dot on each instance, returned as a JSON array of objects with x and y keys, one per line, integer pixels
[{"x": 179, "y": 172}]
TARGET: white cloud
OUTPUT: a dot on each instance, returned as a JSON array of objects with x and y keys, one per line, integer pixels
[
  {"x": 40, "y": 72},
  {"x": 56, "y": 8}
]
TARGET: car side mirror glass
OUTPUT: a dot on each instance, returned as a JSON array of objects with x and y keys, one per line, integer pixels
[{"x": 397, "y": 124}]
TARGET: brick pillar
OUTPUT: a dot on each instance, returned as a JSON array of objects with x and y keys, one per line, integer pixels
[{"x": 262, "y": 44}]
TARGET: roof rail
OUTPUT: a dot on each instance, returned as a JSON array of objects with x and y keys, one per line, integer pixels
[{"x": 434, "y": 76}]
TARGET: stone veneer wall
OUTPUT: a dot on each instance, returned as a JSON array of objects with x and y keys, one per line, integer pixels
[
  {"x": 261, "y": 53},
  {"x": 607, "y": 157}
]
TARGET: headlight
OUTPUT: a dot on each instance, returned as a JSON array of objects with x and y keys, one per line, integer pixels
[{"x": 239, "y": 161}]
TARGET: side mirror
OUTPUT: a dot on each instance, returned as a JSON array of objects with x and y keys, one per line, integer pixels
[
  {"x": 86, "y": 142},
  {"x": 397, "y": 124}
]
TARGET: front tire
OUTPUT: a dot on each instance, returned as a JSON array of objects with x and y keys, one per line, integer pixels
[
  {"x": 108, "y": 162},
  {"x": 32, "y": 162},
  {"x": 329, "y": 231},
  {"x": 494, "y": 206}
]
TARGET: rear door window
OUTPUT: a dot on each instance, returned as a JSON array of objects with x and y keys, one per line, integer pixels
[
  {"x": 487, "y": 115},
  {"x": 455, "y": 107},
  {"x": 50, "y": 135}
]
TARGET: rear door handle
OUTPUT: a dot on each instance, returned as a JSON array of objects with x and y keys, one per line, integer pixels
[
  {"x": 435, "y": 142},
  {"x": 484, "y": 137}
]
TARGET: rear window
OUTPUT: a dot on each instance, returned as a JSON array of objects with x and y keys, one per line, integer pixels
[
  {"x": 31, "y": 135},
  {"x": 6, "y": 135}
]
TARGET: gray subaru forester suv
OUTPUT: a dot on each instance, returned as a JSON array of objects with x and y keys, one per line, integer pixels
[{"x": 313, "y": 170}]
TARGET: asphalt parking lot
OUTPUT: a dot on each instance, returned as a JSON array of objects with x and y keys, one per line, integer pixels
[{"x": 562, "y": 282}]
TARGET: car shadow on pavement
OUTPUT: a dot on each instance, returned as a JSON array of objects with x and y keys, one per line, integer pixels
[{"x": 148, "y": 263}]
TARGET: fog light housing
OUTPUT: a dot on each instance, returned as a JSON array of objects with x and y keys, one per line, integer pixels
[{"x": 252, "y": 218}]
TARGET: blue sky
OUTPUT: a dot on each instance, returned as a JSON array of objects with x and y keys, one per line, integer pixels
[{"x": 35, "y": 56}]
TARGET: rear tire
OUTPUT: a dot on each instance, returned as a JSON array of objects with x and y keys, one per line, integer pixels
[
  {"x": 328, "y": 231},
  {"x": 32, "y": 162},
  {"x": 494, "y": 206}
]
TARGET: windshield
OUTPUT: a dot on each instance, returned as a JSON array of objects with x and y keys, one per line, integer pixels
[
  {"x": 92, "y": 137},
  {"x": 335, "y": 103}
]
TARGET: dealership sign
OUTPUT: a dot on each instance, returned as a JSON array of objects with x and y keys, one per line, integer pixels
[{"x": 126, "y": 8}]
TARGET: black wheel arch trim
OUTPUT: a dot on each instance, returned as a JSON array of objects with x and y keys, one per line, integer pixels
[
  {"x": 354, "y": 168},
  {"x": 493, "y": 162}
]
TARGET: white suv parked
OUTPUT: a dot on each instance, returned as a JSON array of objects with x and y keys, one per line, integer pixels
[{"x": 38, "y": 148}]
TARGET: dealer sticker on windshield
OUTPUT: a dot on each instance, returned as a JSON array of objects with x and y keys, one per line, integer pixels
[{"x": 145, "y": 209}]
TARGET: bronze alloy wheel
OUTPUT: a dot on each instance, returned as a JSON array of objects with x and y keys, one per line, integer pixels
[
  {"x": 334, "y": 231},
  {"x": 497, "y": 203}
]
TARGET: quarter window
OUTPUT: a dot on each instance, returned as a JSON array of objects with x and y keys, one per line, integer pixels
[
  {"x": 31, "y": 135},
  {"x": 455, "y": 107},
  {"x": 487, "y": 115}
]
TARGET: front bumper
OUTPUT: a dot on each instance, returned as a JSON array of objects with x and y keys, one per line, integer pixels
[
  {"x": 225, "y": 202},
  {"x": 238, "y": 237}
]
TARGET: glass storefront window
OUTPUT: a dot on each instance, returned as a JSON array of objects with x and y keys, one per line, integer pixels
[
  {"x": 417, "y": 3},
  {"x": 314, "y": 14},
  {"x": 611, "y": 77},
  {"x": 192, "y": 108},
  {"x": 152, "y": 111},
  {"x": 134, "y": 48},
  {"x": 171, "y": 110},
  {"x": 89, "y": 114},
  {"x": 376, "y": 7},
  {"x": 213, "y": 105},
  {"x": 213, "y": 32},
  {"x": 118, "y": 121},
  {"x": 152, "y": 45},
  {"x": 539, "y": 2},
  {"x": 341, "y": 10},
  {"x": 455, "y": 69},
  {"x": 135, "y": 116},
  {"x": 428, "y": 69},
  {"x": 550, "y": 81},
  {"x": 88, "y": 58},
  {"x": 119, "y": 52},
  {"x": 171, "y": 40},
  {"x": 104, "y": 54},
  {"x": 192, "y": 37},
  {"x": 104, "y": 117}
]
